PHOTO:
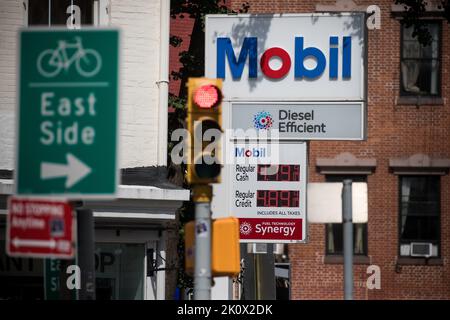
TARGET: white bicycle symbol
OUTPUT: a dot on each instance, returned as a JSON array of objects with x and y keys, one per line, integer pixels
[{"x": 51, "y": 61}]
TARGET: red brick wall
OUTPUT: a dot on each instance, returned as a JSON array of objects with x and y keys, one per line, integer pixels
[
  {"x": 393, "y": 131},
  {"x": 180, "y": 27}
]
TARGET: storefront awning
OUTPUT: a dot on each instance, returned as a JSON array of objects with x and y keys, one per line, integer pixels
[{"x": 133, "y": 203}]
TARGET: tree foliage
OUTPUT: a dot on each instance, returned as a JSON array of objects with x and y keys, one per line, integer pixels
[
  {"x": 192, "y": 65},
  {"x": 415, "y": 9}
]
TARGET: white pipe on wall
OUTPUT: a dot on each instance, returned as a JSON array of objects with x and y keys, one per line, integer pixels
[{"x": 163, "y": 82}]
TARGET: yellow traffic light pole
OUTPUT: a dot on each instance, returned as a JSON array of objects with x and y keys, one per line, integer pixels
[
  {"x": 204, "y": 113},
  {"x": 204, "y": 167}
]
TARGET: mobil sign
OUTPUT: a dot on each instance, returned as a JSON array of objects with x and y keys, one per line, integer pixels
[
  {"x": 310, "y": 57},
  {"x": 268, "y": 191}
]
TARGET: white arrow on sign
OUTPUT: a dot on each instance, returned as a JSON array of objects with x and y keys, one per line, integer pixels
[
  {"x": 74, "y": 170},
  {"x": 34, "y": 243}
]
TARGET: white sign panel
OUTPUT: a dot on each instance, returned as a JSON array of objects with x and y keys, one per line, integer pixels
[
  {"x": 305, "y": 121},
  {"x": 310, "y": 57},
  {"x": 325, "y": 202},
  {"x": 268, "y": 191}
]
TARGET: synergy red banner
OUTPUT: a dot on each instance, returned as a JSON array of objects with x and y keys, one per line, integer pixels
[
  {"x": 271, "y": 229},
  {"x": 40, "y": 228}
]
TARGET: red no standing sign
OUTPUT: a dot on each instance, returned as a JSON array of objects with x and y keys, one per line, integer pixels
[{"x": 40, "y": 228}]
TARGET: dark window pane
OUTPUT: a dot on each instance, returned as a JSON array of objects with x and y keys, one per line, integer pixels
[
  {"x": 38, "y": 12},
  {"x": 420, "y": 228},
  {"x": 58, "y": 12},
  {"x": 431, "y": 50},
  {"x": 420, "y": 188},
  {"x": 413, "y": 49},
  {"x": 420, "y": 65},
  {"x": 62, "y": 11},
  {"x": 419, "y": 209},
  {"x": 420, "y": 77},
  {"x": 425, "y": 188},
  {"x": 424, "y": 208},
  {"x": 335, "y": 239}
]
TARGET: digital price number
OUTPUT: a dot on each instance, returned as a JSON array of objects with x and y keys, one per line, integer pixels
[
  {"x": 278, "y": 198},
  {"x": 281, "y": 172}
]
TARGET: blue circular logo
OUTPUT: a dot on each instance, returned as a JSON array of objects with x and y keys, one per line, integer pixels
[{"x": 263, "y": 120}]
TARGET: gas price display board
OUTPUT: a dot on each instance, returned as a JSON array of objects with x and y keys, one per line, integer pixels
[{"x": 269, "y": 191}]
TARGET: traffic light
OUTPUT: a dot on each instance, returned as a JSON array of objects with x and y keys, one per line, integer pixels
[
  {"x": 204, "y": 122},
  {"x": 225, "y": 257},
  {"x": 225, "y": 249}
]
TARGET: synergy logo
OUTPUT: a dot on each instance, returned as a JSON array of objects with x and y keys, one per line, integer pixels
[
  {"x": 245, "y": 228},
  {"x": 262, "y": 120},
  {"x": 270, "y": 228}
]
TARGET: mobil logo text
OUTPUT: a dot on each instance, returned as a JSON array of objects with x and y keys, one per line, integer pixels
[
  {"x": 337, "y": 58},
  {"x": 260, "y": 152}
]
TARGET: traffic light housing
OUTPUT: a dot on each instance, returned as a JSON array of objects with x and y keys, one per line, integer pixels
[
  {"x": 225, "y": 248},
  {"x": 225, "y": 257},
  {"x": 204, "y": 113}
]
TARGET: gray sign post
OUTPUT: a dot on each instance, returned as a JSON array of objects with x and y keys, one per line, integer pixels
[{"x": 348, "y": 239}]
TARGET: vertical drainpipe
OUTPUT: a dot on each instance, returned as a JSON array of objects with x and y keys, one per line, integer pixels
[
  {"x": 163, "y": 82},
  {"x": 163, "y": 86}
]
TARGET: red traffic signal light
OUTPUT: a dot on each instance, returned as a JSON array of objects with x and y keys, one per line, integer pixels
[
  {"x": 204, "y": 125},
  {"x": 207, "y": 96}
]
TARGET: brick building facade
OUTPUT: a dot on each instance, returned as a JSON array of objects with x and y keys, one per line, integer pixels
[{"x": 407, "y": 153}]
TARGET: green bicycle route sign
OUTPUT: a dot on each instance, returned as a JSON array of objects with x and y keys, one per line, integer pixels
[{"x": 67, "y": 117}]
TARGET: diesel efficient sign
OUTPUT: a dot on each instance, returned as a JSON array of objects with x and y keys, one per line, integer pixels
[
  {"x": 67, "y": 113},
  {"x": 268, "y": 191},
  {"x": 305, "y": 121},
  {"x": 313, "y": 57}
]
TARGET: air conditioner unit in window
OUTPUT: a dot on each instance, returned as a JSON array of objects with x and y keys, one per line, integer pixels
[{"x": 421, "y": 249}]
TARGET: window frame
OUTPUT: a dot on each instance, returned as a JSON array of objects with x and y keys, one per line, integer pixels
[
  {"x": 100, "y": 17},
  {"x": 402, "y": 92},
  {"x": 399, "y": 216}
]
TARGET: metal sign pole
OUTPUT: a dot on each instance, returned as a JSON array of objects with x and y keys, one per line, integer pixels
[
  {"x": 348, "y": 239},
  {"x": 86, "y": 258},
  {"x": 202, "y": 270}
]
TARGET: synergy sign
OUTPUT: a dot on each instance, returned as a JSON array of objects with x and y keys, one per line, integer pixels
[
  {"x": 318, "y": 57},
  {"x": 269, "y": 191}
]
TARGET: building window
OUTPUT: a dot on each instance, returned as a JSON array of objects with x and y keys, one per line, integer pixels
[
  {"x": 335, "y": 239},
  {"x": 334, "y": 231},
  {"x": 420, "y": 65},
  {"x": 70, "y": 13},
  {"x": 419, "y": 213}
]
